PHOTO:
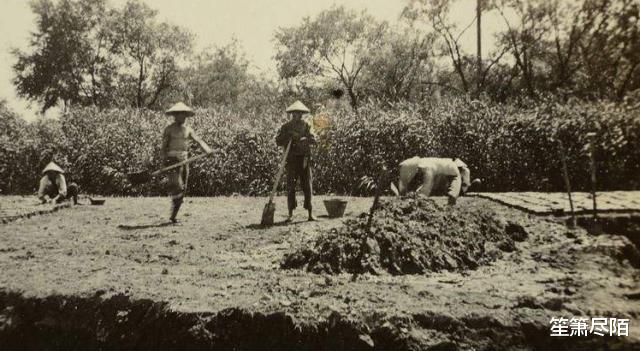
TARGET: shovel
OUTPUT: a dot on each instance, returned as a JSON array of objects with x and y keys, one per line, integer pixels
[
  {"x": 146, "y": 176},
  {"x": 270, "y": 208}
]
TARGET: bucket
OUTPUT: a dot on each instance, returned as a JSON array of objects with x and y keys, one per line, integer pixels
[
  {"x": 335, "y": 207},
  {"x": 98, "y": 202}
]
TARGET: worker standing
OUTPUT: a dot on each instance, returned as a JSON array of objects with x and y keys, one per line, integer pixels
[
  {"x": 299, "y": 159},
  {"x": 175, "y": 148}
]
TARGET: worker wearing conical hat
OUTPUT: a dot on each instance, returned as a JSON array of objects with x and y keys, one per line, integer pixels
[
  {"x": 298, "y": 164},
  {"x": 54, "y": 185},
  {"x": 440, "y": 176},
  {"x": 175, "y": 146}
]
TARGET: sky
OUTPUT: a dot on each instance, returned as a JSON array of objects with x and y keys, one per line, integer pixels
[{"x": 217, "y": 22}]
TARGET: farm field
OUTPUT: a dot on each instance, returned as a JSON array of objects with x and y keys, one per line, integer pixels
[
  {"x": 111, "y": 276},
  {"x": 548, "y": 203}
]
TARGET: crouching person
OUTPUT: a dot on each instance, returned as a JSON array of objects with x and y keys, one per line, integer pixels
[
  {"x": 54, "y": 186},
  {"x": 440, "y": 176},
  {"x": 175, "y": 146}
]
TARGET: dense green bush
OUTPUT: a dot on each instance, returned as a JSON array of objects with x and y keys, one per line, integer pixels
[{"x": 512, "y": 147}]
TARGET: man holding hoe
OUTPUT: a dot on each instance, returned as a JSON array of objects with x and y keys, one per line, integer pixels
[
  {"x": 175, "y": 148},
  {"x": 299, "y": 158}
]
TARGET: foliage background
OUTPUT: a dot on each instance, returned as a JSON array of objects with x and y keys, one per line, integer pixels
[{"x": 512, "y": 147}]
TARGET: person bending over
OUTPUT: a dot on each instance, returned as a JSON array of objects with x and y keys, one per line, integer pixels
[{"x": 440, "y": 176}]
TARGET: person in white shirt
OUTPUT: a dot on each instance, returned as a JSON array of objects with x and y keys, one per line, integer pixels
[
  {"x": 440, "y": 176},
  {"x": 54, "y": 185}
]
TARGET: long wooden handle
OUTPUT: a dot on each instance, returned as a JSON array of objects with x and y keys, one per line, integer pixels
[
  {"x": 280, "y": 171},
  {"x": 181, "y": 163}
]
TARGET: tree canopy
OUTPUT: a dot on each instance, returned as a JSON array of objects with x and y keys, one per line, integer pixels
[
  {"x": 85, "y": 52},
  {"x": 88, "y": 52},
  {"x": 336, "y": 44}
]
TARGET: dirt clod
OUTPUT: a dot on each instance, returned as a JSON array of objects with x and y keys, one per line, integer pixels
[
  {"x": 516, "y": 231},
  {"x": 410, "y": 235}
]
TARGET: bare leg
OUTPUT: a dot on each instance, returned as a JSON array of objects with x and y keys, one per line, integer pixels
[
  {"x": 178, "y": 182},
  {"x": 453, "y": 190}
]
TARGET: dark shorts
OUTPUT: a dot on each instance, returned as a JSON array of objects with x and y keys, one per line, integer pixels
[{"x": 177, "y": 177}]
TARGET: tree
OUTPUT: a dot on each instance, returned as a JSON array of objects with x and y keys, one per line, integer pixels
[
  {"x": 86, "y": 53},
  {"x": 218, "y": 76},
  {"x": 435, "y": 13},
  {"x": 524, "y": 40},
  {"x": 68, "y": 60},
  {"x": 149, "y": 53},
  {"x": 588, "y": 48},
  {"x": 336, "y": 45},
  {"x": 402, "y": 67},
  {"x": 610, "y": 48}
]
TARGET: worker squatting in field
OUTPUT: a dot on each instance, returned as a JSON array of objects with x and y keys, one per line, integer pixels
[
  {"x": 54, "y": 185},
  {"x": 441, "y": 176},
  {"x": 175, "y": 148},
  {"x": 299, "y": 159}
]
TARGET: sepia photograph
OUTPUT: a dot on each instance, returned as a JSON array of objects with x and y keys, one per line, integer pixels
[{"x": 246, "y": 175}]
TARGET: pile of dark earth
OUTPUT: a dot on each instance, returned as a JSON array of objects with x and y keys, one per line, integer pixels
[{"x": 410, "y": 235}]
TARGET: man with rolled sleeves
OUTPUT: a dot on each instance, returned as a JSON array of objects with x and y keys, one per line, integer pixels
[
  {"x": 175, "y": 148},
  {"x": 298, "y": 164}
]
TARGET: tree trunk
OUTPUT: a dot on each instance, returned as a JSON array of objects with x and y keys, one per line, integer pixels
[
  {"x": 353, "y": 99},
  {"x": 140, "y": 80}
]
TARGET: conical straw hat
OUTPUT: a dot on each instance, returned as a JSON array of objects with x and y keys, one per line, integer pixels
[
  {"x": 180, "y": 108},
  {"x": 52, "y": 167},
  {"x": 297, "y": 106}
]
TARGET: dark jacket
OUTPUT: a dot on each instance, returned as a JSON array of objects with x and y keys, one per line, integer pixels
[{"x": 295, "y": 130}]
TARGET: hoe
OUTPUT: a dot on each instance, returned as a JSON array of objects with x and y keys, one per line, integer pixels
[
  {"x": 146, "y": 176},
  {"x": 270, "y": 208}
]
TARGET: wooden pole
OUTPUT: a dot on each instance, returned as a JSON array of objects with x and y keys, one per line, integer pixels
[
  {"x": 479, "y": 38},
  {"x": 592, "y": 149},
  {"x": 595, "y": 226},
  {"x": 567, "y": 183},
  {"x": 381, "y": 178}
]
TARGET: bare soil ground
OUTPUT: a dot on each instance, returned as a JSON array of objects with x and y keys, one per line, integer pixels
[{"x": 118, "y": 277}]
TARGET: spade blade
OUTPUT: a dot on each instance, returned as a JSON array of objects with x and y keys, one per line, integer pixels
[{"x": 267, "y": 213}]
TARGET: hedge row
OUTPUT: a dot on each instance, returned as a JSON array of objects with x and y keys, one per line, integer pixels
[{"x": 512, "y": 148}]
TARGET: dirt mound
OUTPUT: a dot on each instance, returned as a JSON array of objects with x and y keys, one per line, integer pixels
[{"x": 410, "y": 235}]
